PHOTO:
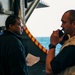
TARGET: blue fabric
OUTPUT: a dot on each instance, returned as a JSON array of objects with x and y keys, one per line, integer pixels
[{"x": 12, "y": 54}]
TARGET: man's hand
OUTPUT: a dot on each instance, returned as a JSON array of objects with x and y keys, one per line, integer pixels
[{"x": 55, "y": 39}]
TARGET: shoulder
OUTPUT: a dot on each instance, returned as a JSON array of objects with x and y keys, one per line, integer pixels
[
  {"x": 69, "y": 48},
  {"x": 11, "y": 39},
  {"x": 14, "y": 40}
]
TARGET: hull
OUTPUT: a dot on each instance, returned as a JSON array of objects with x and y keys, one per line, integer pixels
[{"x": 34, "y": 49}]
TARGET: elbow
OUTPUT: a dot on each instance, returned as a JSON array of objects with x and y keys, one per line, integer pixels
[{"x": 48, "y": 72}]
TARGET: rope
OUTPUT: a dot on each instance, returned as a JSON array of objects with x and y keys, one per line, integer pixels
[{"x": 35, "y": 41}]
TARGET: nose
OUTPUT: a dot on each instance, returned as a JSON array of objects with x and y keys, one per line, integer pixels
[
  {"x": 22, "y": 27},
  {"x": 62, "y": 25}
]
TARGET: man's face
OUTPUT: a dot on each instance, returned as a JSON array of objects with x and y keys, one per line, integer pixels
[
  {"x": 18, "y": 28},
  {"x": 66, "y": 25}
]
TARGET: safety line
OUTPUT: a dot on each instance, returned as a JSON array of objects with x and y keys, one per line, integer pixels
[{"x": 35, "y": 41}]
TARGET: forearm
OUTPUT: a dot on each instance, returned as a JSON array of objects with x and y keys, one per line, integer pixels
[
  {"x": 54, "y": 40},
  {"x": 49, "y": 58}
]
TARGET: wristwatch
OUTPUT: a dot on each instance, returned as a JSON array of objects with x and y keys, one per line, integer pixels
[{"x": 51, "y": 46}]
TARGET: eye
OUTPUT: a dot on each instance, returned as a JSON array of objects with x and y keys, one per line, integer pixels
[
  {"x": 19, "y": 24},
  {"x": 64, "y": 22}
]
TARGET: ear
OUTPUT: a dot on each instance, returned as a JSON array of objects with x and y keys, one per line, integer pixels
[
  {"x": 10, "y": 26},
  {"x": 73, "y": 24}
]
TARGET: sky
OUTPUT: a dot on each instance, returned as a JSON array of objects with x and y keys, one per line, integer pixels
[{"x": 43, "y": 21}]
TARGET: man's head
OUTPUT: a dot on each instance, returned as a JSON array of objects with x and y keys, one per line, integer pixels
[
  {"x": 13, "y": 24},
  {"x": 68, "y": 22}
]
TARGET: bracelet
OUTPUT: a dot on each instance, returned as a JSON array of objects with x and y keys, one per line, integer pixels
[{"x": 51, "y": 46}]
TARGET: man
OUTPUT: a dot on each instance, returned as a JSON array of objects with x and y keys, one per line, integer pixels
[
  {"x": 12, "y": 53},
  {"x": 64, "y": 62}
]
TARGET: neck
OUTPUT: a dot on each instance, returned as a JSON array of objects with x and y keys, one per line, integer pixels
[{"x": 72, "y": 34}]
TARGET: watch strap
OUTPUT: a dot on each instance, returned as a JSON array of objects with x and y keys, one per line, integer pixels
[{"x": 51, "y": 46}]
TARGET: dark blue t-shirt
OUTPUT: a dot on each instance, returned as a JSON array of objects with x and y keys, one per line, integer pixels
[{"x": 66, "y": 58}]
